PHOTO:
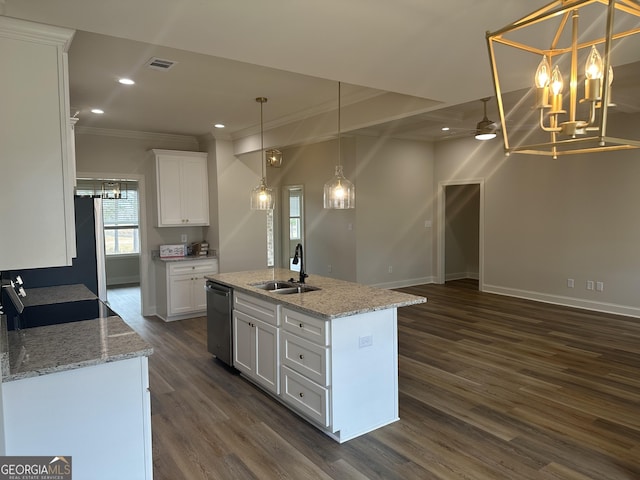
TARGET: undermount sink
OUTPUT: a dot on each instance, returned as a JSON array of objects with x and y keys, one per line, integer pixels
[
  {"x": 284, "y": 287},
  {"x": 273, "y": 285},
  {"x": 296, "y": 289}
]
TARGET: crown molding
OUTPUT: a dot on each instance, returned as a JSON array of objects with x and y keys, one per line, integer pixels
[{"x": 136, "y": 135}]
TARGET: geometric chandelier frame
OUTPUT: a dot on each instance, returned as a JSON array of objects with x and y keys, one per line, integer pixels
[{"x": 556, "y": 39}]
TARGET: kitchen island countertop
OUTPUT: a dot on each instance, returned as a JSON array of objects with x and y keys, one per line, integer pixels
[{"x": 334, "y": 299}]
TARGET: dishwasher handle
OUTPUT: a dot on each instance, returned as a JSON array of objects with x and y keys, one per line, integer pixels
[{"x": 217, "y": 289}]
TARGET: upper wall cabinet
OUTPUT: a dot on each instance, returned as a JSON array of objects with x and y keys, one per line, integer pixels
[
  {"x": 36, "y": 171},
  {"x": 182, "y": 188}
]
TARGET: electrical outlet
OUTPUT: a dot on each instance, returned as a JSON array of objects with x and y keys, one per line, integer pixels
[
  {"x": 570, "y": 283},
  {"x": 600, "y": 286},
  {"x": 390, "y": 269},
  {"x": 589, "y": 284},
  {"x": 183, "y": 238},
  {"x": 365, "y": 341},
  {"x": 329, "y": 268},
  {"x": 427, "y": 224}
]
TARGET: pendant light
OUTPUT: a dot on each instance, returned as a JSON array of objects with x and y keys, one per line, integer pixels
[
  {"x": 262, "y": 196},
  {"x": 339, "y": 193}
]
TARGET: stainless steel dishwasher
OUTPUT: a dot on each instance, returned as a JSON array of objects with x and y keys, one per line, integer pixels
[{"x": 219, "y": 321}]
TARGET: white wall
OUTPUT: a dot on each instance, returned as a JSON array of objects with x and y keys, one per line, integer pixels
[{"x": 549, "y": 220}]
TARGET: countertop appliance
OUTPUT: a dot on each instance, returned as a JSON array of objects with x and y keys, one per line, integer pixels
[{"x": 219, "y": 321}]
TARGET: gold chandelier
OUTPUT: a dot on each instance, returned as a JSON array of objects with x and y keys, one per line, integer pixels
[{"x": 582, "y": 127}]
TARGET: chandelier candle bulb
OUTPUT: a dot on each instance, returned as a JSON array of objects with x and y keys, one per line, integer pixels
[
  {"x": 593, "y": 72},
  {"x": 543, "y": 74}
]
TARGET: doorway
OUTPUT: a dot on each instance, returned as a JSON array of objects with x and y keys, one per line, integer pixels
[
  {"x": 131, "y": 268},
  {"x": 460, "y": 231}
]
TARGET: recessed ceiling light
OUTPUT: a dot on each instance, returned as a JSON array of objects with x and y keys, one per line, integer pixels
[
  {"x": 445, "y": 129},
  {"x": 126, "y": 81},
  {"x": 219, "y": 125},
  {"x": 98, "y": 111}
]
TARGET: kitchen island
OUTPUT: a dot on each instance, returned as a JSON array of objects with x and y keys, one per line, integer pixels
[
  {"x": 329, "y": 354},
  {"x": 78, "y": 389}
]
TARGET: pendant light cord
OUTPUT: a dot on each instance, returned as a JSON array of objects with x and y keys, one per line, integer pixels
[
  {"x": 339, "y": 148},
  {"x": 262, "y": 137}
]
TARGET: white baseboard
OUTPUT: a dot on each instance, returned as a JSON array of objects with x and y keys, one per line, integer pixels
[
  {"x": 112, "y": 281},
  {"x": 405, "y": 283},
  {"x": 565, "y": 301},
  {"x": 461, "y": 276}
]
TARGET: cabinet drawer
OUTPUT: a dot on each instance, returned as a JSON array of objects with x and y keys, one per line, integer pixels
[
  {"x": 195, "y": 266},
  {"x": 260, "y": 309},
  {"x": 311, "y": 328},
  {"x": 305, "y": 396},
  {"x": 305, "y": 357}
]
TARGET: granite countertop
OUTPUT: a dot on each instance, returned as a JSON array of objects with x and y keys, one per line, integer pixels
[
  {"x": 336, "y": 298},
  {"x": 67, "y": 346},
  {"x": 187, "y": 258},
  {"x": 58, "y": 294},
  {"x": 38, "y": 351}
]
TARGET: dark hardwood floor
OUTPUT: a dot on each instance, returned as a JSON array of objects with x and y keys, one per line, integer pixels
[{"x": 491, "y": 387}]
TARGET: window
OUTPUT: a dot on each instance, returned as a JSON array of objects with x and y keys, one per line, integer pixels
[{"x": 120, "y": 215}]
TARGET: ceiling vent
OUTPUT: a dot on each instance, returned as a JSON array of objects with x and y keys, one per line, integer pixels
[{"x": 160, "y": 64}]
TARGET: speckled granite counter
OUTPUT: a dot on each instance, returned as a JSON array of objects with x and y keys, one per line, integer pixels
[
  {"x": 58, "y": 294},
  {"x": 187, "y": 258},
  {"x": 336, "y": 298},
  {"x": 42, "y": 350}
]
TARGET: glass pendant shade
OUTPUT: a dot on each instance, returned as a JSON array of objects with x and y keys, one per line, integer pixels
[
  {"x": 262, "y": 197},
  {"x": 339, "y": 193}
]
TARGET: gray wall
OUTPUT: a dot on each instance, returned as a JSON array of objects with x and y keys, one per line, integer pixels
[
  {"x": 549, "y": 220},
  {"x": 543, "y": 220}
]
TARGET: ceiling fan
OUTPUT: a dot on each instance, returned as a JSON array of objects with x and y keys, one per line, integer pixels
[{"x": 486, "y": 129}]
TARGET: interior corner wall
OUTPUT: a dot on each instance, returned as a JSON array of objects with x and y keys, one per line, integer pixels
[
  {"x": 547, "y": 220},
  {"x": 395, "y": 211},
  {"x": 242, "y": 231}
]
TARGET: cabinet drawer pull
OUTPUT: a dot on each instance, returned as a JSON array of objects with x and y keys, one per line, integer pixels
[
  {"x": 301, "y": 394},
  {"x": 301, "y": 357}
]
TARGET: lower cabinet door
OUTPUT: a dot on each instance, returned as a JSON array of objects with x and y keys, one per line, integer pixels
[
  {"x": 266, "y": 367},
  {"x": 305, "y": 396},
  {"x": 180, "y": 288},
  {"x": 243, "y": 342},
  {"x": 199, "y": 294}
]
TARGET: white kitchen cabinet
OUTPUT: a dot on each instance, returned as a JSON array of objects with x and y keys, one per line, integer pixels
[
  {"x": 256, "y": 340},
  {"x": 341, "y": 374},
  {"x": 37, "y": 171},
  {"x": 181, "y": 288},
  {"x": 99, "y": 415},
  {"x": 182, "y": 188}
]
